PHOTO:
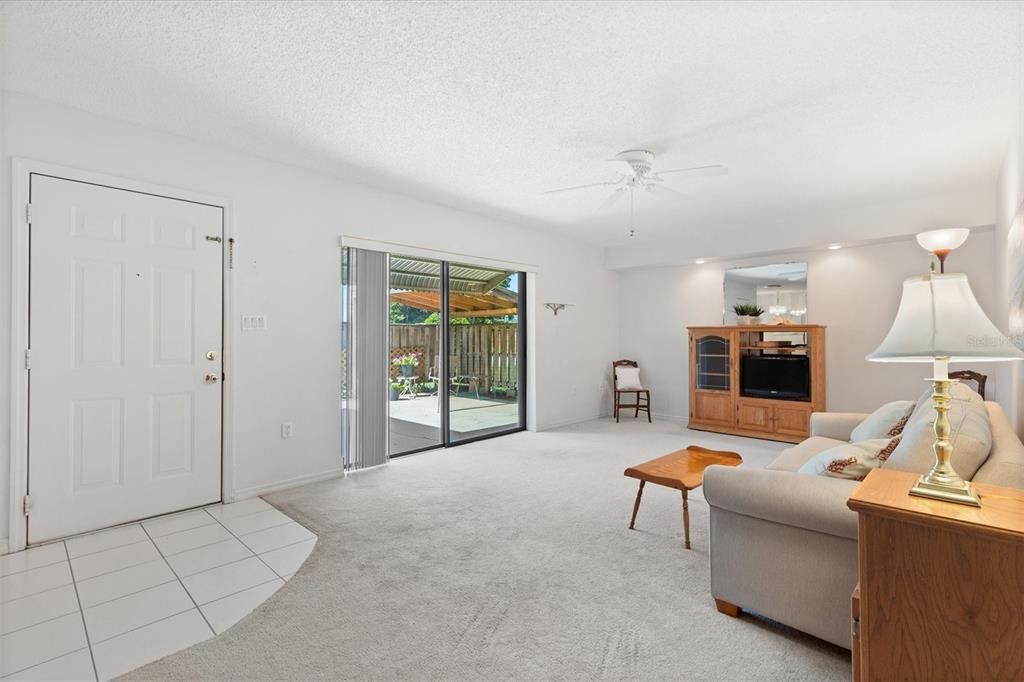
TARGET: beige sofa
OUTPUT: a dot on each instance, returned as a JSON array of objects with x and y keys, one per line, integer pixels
[{"x": 784, "y": 544}]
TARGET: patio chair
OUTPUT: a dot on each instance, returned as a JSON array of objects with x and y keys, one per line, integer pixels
[
  {"x": 629, "y": 382},
  {"x": 456, "y": 380}
]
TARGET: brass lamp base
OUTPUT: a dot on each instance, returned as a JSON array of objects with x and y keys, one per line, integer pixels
[
  {"x": 942, "y": 482},
  {"x": 961, "y": 494}
]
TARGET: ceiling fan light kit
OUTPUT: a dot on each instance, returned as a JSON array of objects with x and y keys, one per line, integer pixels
[{"x": 640, "y": 173}]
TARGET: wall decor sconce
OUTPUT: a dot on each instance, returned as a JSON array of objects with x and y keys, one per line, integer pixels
[{"x": 555, "y": 307}]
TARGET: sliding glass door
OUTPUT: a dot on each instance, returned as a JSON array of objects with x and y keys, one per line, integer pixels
[
  {"x": 457, "y": 349},
  {"x": 414, "y": 376},
  {"x": 485, "y": 307}
]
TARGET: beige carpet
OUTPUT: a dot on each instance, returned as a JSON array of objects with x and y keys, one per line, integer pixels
[{"x": 507, "y": 559}]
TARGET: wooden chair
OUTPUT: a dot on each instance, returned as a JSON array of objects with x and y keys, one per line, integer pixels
[
  {"x": 970, "y": 375},
  {"x": 643, "y": 396}
]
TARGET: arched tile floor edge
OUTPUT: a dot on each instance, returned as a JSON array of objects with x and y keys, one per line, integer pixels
[{"x": 96, "y": 606}]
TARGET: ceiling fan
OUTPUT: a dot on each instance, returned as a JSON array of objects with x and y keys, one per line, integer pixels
[{"x": 639, "y": 174}]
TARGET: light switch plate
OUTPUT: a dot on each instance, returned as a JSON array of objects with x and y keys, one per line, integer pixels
[
  {"x": 286, "y": 430},
  {"x": 254, "y": 323}
]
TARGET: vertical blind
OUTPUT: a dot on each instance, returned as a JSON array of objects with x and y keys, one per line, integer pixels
[{"x": 368, "y": 358}]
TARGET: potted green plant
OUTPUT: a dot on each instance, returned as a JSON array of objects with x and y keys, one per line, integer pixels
[
  {"x": 394, "y": 390},
  {"x": 406, "y": 364},
  {"x": 747, "y": 313}
]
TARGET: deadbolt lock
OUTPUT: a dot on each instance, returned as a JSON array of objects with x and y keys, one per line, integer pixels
[
  {"x": 211, "y": 355},
  {"x": 211, "y": 378}
]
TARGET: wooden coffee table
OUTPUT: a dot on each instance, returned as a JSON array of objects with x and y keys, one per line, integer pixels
[{"x": 682, "y": 470}]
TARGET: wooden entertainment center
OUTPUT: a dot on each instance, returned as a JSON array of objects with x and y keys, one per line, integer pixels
[{"x": 762, "y": 381}]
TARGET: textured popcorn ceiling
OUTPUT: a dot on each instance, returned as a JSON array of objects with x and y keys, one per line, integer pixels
[{"x": 485, "y": 105}]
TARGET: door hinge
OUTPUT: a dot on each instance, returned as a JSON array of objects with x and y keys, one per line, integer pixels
[
  {"x": 28, "y": 213},
  {"x": 26, "y": 505},
  {"x": 28, "y": 358}
]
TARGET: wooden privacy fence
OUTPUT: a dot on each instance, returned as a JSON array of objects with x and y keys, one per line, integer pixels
[{"x": 485, "y": 351}]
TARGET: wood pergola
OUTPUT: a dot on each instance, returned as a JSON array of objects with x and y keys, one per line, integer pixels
[
  {"x": 475, "y": 291},
  {"x": 460, "y": 304}
]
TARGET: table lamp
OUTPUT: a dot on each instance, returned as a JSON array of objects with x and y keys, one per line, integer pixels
[{"x": 940, "y": 321}]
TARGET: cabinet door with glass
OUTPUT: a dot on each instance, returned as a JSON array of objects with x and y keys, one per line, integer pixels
[{"x": 711, "y": 364}]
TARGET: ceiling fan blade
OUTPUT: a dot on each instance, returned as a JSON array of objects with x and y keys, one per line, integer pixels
[
  {"x": 698, "y": 171},
  {"x": 596, "y": 184},
  {"x": 612, "y": 199},
  {"x": 668, "y": 192}
]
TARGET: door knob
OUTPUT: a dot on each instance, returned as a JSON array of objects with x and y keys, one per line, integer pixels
[
  {"x": 211, "y": 355},
  {"x": 211, "y": 378}
]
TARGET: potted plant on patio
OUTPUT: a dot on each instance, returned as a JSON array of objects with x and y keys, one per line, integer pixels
[
  {"x": 406, "y": 364},
  {"x": 747, "y": 313},
  {"x": 394, "y": 390}
]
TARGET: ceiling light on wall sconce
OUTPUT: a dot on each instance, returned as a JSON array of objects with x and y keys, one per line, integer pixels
[
  {"x": 834, "y": 247},
  {"x": 700, "y": 261},
  {"x": 555, "y": 307},
  {"x": 942, "y": 242}
]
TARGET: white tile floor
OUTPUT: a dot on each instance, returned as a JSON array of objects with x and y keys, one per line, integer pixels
[{"x": 96, "y": 606}]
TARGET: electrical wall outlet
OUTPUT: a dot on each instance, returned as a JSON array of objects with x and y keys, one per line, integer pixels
[{"x": 286, "y": 430}]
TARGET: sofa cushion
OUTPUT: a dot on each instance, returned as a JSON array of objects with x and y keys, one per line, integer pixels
[
  {"x": 971, "y": 435},
  {"x": 851, "y": 461},
  {"x": 882, "y": 421},
  {"x": 793, "y": 458},
  {"x": 1003, "y": 474}
]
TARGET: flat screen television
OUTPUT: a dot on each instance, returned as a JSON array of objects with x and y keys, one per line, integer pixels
[{"x": 780, "y": 377}]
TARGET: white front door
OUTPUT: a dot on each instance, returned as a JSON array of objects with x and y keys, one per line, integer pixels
[{"x": 125, "y": 328}]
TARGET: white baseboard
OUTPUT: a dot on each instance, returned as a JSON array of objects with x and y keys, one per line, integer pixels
[
  {"x": 678, "y": 419},
  {"x": 245, "y": 493},
  {"x": 570, "y": 422}
]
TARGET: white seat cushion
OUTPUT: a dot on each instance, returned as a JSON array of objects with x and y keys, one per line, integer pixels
[{"x": 628, "y": 379}]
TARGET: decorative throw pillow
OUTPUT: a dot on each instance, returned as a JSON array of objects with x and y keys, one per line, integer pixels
[
  {"x": 851, "y": 461},
  {"x": 897, "y": 429},
  {"x": 628, "y": 379},
  {"x": 971, "y": 435},
  {"x": 882, "y": 422}
]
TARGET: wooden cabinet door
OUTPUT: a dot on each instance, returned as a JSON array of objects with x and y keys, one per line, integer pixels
[
  {"x": 792, "y": 419},
  {"x": 755, "y": 416},
  {"x": 713, "y": 407}
]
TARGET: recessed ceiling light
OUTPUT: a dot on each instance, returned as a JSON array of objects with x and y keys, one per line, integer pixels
[
  {"x": 834, "y": 247},
  {"x": 699, "y": 261}
]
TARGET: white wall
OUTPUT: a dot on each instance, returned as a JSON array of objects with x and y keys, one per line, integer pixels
[
  {"x": 854, "y": 292},
  {"x": 288, "y": 222},
  {"x": 1009, "y": 200}
]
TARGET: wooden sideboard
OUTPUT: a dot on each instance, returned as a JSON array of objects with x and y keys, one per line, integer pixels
[
  {"x": 941, "y": 592},
  {"x": 717, "y": 401}
]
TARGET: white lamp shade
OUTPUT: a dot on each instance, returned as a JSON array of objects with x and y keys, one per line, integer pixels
[
  {"x": 943, "y": 240},
  {"x": 939, "y": 317}
]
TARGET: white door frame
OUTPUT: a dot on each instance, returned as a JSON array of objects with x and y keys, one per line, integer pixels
[{"x": 20, "y": 172}]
